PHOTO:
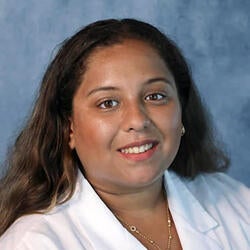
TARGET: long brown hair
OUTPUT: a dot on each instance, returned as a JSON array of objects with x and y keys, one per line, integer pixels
[{"x": 42, "y": 169}]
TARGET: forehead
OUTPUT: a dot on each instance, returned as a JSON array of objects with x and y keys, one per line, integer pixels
[{"x": 128, "y": 56}]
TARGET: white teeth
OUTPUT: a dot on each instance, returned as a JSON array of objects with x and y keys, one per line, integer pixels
[{"x": 136, "y": 150}]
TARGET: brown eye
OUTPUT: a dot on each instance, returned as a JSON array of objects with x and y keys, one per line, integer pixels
[
  {"x": 155, "y": 97},
  {"x": 108, "y": 104}
]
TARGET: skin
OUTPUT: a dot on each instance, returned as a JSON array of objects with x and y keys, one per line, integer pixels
[{"x": 127, "y": 97}]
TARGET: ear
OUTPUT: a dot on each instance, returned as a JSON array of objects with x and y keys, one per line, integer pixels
[{"x": 71, "y": 134}]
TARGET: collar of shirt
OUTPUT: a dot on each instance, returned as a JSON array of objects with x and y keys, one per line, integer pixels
[
  {"x": 196, "y": 226},
  {"x": 192, "y": 221}
]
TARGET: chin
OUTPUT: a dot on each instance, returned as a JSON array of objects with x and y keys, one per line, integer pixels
[{"x": 145, "y": 178}]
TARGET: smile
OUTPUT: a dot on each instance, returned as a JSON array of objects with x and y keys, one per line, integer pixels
[{"x": 137, "y": 150}]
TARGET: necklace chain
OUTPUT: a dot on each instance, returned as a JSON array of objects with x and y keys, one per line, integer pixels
[{"x": 134, "y": 229}]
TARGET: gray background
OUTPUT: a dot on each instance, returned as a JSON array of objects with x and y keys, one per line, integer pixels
[{"x": 213, "y": 34}]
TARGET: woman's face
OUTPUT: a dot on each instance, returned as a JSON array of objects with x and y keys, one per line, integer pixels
[{"x": 126, "y": 122}]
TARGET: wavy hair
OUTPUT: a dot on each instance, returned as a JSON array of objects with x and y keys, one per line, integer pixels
[{"x": 42, "y": 169}]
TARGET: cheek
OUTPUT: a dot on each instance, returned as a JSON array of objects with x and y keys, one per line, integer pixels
[
  {"x": 169, "y": 120},
  {"x": 176, "y": 121},
  {"x": 92, "y": 134},
  {"x": 171, "y": 132}
]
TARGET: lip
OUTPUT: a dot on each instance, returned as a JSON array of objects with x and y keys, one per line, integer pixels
[
  {"x": 139, "y": 156},
  {"x": 139, "y": 143}
]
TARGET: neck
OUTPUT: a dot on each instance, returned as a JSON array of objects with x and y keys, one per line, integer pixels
[{"x": 140, "y": 202}]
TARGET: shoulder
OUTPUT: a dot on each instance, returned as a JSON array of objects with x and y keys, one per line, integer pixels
[
  {"x": 218, "y": 191},
  {"x": 217, "y": 185},
  {"x": 45, "y": 230},
  {"x": 28, "y": 232}
]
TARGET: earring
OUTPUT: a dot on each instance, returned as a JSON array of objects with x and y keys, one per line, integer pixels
[{"x": 183, "y": 130}]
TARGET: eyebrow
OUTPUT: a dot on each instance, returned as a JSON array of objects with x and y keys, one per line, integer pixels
[
  {"x": 159, "y": 79},
  {"x": 101, "y": 89},
  {"x": 149, "y": 81}
]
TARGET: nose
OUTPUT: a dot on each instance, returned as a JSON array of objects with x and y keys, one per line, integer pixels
[{"x": 135, "y": 118}]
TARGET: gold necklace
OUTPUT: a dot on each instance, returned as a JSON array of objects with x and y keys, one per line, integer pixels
[{"x": 134, "y": 229}]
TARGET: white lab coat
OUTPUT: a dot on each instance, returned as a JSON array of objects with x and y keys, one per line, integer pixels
[{"x": 211, "y": 212}]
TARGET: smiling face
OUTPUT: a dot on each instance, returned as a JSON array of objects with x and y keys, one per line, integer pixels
[{"x": 126, "y": 121}]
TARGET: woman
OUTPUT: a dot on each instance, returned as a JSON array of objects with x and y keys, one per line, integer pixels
[{"x": 118, "y": 153}]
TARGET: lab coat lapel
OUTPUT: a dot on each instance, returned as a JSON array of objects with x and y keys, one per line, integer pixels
[
  {"x": 104, "y": 231},
  {"x": 194, "y": 225}
]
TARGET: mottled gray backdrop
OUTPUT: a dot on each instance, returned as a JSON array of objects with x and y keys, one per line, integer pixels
[{"x": 213, "y": 34}]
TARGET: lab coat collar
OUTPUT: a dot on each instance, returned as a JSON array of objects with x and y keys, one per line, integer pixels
[
  {"x": 195, "y": 227},
  {"x": 104, "y": 229},
  {"x": 182, "y": 202}
]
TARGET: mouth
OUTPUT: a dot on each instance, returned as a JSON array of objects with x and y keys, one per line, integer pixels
[{"x": 139, "y": 151}]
